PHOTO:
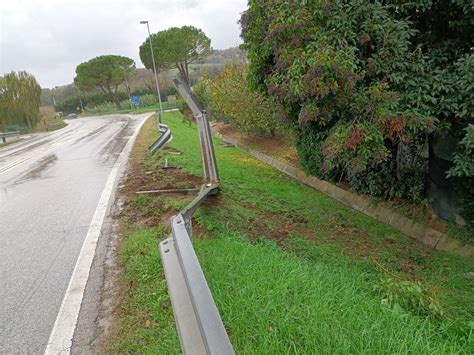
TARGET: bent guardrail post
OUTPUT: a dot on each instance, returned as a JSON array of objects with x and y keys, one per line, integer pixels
[
  {"x": 205, "y": 138},
  {"x": 207, "y": 149}
]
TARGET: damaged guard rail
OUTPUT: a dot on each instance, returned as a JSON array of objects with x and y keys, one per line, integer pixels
[
  {"x": 198, "y": 322},
  {"x": 164, "y": 138}
]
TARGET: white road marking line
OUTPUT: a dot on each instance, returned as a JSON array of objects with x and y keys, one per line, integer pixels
[
  {"x": 13, "y": 164},
  {"x": 60, "y": 340}
]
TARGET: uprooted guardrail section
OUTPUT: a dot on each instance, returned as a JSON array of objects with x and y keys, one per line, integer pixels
[{"x": 198, "y": 322}]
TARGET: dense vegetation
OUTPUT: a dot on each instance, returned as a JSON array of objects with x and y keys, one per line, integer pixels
[
  {"x": 19, "y": 100},
  {"x": 227, "y": 98},
  {"x": 73, "y": 104},
  {"x": 368, "y": 86}
]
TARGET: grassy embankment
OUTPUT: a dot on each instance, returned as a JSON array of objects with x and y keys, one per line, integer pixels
[{"x": 291, "y": 270}]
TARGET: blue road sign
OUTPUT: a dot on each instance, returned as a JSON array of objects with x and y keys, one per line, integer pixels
[{"x": 135, "y": 100}]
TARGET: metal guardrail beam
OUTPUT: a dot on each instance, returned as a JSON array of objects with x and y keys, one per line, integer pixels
[
  {"x": 200, "y": 327},
  {"x": 207, "y": 149},
  {"x": 188, "y": 96},
  {"x": 209, "y": 164},
  {"x": 199, "y": 324},
  {"x": 165, "y": 137},
  {"x": 6, "y": 135}
]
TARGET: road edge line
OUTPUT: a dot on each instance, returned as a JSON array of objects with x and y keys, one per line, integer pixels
[{"x": 60, "y": 339}]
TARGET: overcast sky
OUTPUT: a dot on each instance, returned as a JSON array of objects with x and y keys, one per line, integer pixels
[{"x": 49, "y": 38}]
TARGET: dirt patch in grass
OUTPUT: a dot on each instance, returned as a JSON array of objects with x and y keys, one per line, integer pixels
[
  {"x": 145, "y": 174},
  {"x": 406, "y": 256}
]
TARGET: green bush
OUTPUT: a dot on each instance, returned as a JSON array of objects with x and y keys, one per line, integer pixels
[
  {"x": 125, "y": 104},
  {"x": 385, "y": 181},
  {"x": 309, "y": 144},
  {"x": 148, "y": 100},
  {"x": 103, "y": 108},
  {"x": 359, "y": 78},
  {"x": 228, "y": 99}
]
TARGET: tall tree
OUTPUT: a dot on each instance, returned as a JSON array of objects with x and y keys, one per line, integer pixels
[
  {"x": 19, "y": 99},
  {"x": 176, "y": 48},
  {"x": 105, "y": 72}
]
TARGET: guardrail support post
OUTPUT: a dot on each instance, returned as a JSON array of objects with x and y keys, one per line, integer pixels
[{"x": 205, "y": 137}]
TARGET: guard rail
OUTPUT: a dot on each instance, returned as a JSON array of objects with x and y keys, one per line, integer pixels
[
  {"x": 6, "y": 135},
  {"x": 199, "y": 325}
]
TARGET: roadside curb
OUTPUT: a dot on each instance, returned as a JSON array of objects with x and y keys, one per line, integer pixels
[{"x": 418, "y": 231}]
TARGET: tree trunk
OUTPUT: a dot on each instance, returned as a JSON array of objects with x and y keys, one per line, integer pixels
[
  {"x": 113, "y": 97},
  {"x": 187, "y": 71},
  {"x": 183, "y": 72},
  {"x": 116, "y": 101}
]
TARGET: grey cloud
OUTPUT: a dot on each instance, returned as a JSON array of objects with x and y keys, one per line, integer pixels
[{"x": 49, "y": 38}]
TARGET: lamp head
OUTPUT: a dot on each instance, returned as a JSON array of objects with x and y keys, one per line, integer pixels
[{"x": 143, "y": 22}]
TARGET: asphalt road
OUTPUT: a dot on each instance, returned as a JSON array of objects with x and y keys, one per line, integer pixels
[{"x": 50, "y": 186}]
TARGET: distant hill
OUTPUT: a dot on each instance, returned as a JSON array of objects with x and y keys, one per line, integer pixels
[{"x": 143, "y": 80}]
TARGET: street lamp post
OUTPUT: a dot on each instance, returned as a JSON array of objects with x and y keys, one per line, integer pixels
[{"x": 154, "y": 69}]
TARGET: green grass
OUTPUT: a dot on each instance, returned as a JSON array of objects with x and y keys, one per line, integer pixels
[
  {"x": 312, "y": 290},
  {"x": 275, "y": 302},
  {"x": 147, "y": 325}
]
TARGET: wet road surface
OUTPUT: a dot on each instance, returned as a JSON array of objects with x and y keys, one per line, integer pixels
[{"x": 50, "y": 186}]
